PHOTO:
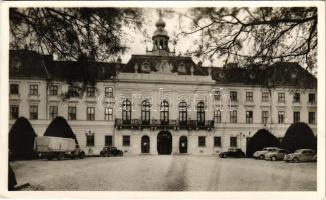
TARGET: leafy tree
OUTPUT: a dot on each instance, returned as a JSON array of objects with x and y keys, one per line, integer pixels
[
  {"x": 261, "y": 35},
  {"x": 85, "y": 35}
]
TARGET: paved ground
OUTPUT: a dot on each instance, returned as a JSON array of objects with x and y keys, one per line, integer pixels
[{"x": 166, "y": 173}]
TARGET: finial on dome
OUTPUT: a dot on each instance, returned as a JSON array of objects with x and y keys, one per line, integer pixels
[{"x": 160, "y": 22}]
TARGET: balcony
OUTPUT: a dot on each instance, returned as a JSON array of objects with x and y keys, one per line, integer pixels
[{"x": 157, "y": 124}]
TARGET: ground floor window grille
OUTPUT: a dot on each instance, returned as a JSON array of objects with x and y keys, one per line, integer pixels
[
  {"x": 201, "y": 141},
  {"x": 217, "y": 142},
  {"x": 233, "y": 142},
  {"x": 108, "y": 140},
  {"x": 126, "y": 140}
]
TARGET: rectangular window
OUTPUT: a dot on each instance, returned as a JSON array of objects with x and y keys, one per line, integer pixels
[
  {"x": 281, "y": 117},
  {"x": 296, "y": 97},
  {"x": 264, "y": 117},
  {"x": 265, "y": 96},
  {"x": 233, "y": 142},
  {"x": 296, "y": 117},
  {"x": 33, "y": 112},
  {"x": 281, "y": 97},
  {"x": 126, "y": 140},
  {"x": 249, "y": 96},
  {"x": 90, "y": 140},
  {"x": 217, "y": 116},
  {"x": 201, "y": 141},
  {"x": 217, "y": 142},
  {"x": 312, "y": 118},
  {"x": 14, "y": 89},
  {"x": 108, "y": 92},
  {"x": 312, "y": 98},
  {"x": 53, "y": 90},
  {"x": 90, "y": 91},
  {"x": 108, "y": 140},
  {"x": 217, "y": 95},
  {"x": 249, "y": 117},
  {"x": 33, "y": 89},
  {"x": 233, "y": 116},
  {"x": 71, "y": 113},
  {"x": 108, "y": 114},
  {"x": 53, "y": 112},
  {"x": 233, "y": 96},
  {"x": 14, "y": 112},
  {"x": 90, "y": 113}
]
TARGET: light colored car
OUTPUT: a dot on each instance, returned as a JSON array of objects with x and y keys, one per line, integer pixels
[
  {"x": 276, "y": 155},
  {"x": 301, "y": 155},
  {"x": 261, "y": 154}
]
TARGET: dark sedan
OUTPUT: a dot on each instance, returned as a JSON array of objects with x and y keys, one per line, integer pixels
[
  {"x": 232, "y": 152},
  {"x": 110, "y": 151}
]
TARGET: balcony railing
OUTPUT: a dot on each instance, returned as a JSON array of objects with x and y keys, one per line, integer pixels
[{"x": 157, "y": 124}]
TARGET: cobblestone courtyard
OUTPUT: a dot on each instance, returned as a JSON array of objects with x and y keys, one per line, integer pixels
[{"x": 165, "y": 173}]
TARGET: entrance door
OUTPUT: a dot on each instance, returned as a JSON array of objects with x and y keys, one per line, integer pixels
[
  {"x": 183, "y": 144},
  {"x": 164, "y": 142},
  {"x": 145, "y": 144}
]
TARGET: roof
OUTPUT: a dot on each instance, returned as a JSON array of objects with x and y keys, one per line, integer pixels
[
  {"x": 29, "y": 64},
  {"x": 153, "y": 61},
  {"x": 277, "y": 74}
]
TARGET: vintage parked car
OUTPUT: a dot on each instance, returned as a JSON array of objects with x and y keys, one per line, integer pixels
[
  {"x": 276, "y": 155},
  {"x": 301, "y": 155},
  {"x": 261, "y": 154},
  {"x": 232, "y": 152},
  {"x": 110, "y": 151}
]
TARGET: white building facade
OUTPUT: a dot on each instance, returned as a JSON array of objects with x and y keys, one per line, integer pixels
[{"x": 159, "y": 103}]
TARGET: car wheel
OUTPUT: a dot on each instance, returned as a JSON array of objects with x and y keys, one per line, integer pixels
[
  {"x": 261, "y": 157},
  {"x": 295, "y": 159},
  {"x": 81, "y": 155},
  {"x": 273, "y": 158},
  {"x": 61, "y": 156}
]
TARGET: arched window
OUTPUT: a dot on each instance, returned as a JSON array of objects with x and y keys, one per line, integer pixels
[
  {"x": 145, "y": 112},
  {"x": 126, "y": 112},
  {"x": 182, "y": 113},
  {"x": 201, "y": 113},
  {"x": 164, "y": 112}
]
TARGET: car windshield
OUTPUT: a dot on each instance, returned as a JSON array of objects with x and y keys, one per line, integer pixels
[{"x": 298, "y": 151}]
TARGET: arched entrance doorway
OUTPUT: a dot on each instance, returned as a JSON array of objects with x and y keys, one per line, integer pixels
[
  {"x": 183, "y": 144},
  {"x": 164, "y": 142},
  {"x": 145, "y": 144}
]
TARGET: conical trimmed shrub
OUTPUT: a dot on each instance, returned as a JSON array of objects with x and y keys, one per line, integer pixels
[
  {"x": 262, "y": 138},
  {"x": 59, "y": 127},
  {"x": 299, "y": 136},
  {"x": 21, "y": 139}
]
